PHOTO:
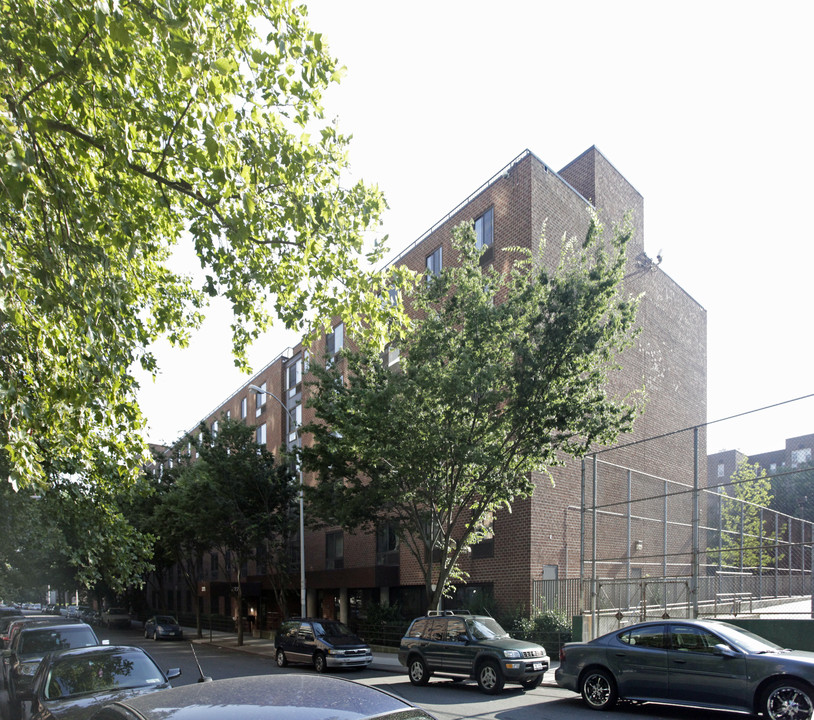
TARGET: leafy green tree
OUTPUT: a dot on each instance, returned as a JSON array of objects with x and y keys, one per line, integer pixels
[
  {"x": 747, "y": 533},
  {"x": 126, "y": 129},
  {"x": 499, "y": 377},
  {"x": 247, "y": 494}
]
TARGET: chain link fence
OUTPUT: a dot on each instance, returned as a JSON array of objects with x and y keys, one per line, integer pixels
[{"x": 719, "y": 536}]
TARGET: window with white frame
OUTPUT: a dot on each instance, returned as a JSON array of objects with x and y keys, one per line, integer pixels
[
  {"x": 260, "y": 434},
  {"x": 244, "y": 408},
  {"x": 434, "y": 263},
  {"x": 392, "y": 354},
  {"x": 721, "y": 470},
  {"x": 484, "y": 230},
  {"x": 294, "y": 421},
  {"x": 260, "y": 400},
  {"x": 335, "y": 341}
]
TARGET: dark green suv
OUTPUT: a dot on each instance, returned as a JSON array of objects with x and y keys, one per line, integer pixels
[{"x": 457, "y": 644}]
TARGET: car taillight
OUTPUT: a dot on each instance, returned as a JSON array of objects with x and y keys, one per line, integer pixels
[{"x": 562, "y": 655}]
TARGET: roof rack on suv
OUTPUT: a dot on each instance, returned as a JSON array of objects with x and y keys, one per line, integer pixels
[{"x": 449, "y": 612}]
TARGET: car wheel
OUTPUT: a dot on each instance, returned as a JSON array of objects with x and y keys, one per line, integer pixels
[
  {"x": 490, "y": 679},
  {"x": 282, "y": 660},
  {"x": 531, "y": 684},
  {"x": 599, "y": 690},
  {"x": 146, "y": 633},
  {"x": 320, "y": 664},
  {"x": 788, "y": 700},
  {"x": 419, "y": 674},
  {"x": 155, "y": 634}
]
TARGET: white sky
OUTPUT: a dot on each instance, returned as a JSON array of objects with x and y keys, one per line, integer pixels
[{"x": 705, "y": 107}]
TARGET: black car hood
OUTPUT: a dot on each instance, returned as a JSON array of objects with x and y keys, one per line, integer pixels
[{"x": 346, "y": 641}]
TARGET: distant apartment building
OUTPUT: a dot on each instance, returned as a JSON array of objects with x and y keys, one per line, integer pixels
[{"x": 540, "y": 538}]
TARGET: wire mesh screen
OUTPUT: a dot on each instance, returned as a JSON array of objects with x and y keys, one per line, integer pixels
[{"x": 692, "y": 536}]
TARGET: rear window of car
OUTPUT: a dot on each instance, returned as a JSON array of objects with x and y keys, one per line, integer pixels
[
  {"x": 417, "y": 628},
  {"x": 83, "y": 675},
  {"x": 650, "y": 636},
  {"x": 39, "y": 642}
]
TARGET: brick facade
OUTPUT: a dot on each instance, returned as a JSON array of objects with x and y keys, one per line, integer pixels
[{"x": 668, "y": 360}]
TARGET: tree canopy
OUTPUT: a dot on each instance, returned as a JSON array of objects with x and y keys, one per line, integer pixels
[
  {"x": 244, "y": 497},
  {"x": 126, "y": 129},
  {"x": 498, "y": 377}
]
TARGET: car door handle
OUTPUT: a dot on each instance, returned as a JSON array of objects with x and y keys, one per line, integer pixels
[{"x": 680, "y": 662}]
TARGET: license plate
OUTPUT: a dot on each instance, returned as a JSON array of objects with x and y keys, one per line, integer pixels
[{"x": 538, "y": 666}]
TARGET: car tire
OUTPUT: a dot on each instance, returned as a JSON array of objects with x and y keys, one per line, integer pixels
[
  {"x": 280, "y": 657},
  {"x": 598, "y": 689},
  {"x": 320, "y": 664},
  {"x": 787, "y": 700},
  {"x": 146, "y": 634},
  {"x": 531, "y": 684},
  {"x": 155, "y": 634},
  {"x": 490, "y": 679},
  {"x": 418, "y": 671}
]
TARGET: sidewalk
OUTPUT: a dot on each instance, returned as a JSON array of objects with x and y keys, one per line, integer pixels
[{"x": 382, "y": 660}]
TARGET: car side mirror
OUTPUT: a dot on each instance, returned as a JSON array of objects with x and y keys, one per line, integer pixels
[
  {"x": 173, "y": 673},
  {"x": 724, "y": 651}
]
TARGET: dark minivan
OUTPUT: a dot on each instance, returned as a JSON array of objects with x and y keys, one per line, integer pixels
[{"x": 322, "y": 643}]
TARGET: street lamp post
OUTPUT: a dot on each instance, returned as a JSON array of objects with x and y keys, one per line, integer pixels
[{"x": 260, "y": 391}]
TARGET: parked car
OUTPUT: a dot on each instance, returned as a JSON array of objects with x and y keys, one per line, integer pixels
[
  {"x": 30, "y": 645},
  {"x": 702, "y": 663},
  {"x": 459, "y": 645},
  {"x": 162, "y": 626},
  {"x": 267, "y": 697},
  {"x": 116, "y": 617},
  {"x": 322, "y": 643},
  {"x": 69, "y": 684},
  {"x": 10, "y": 625}
]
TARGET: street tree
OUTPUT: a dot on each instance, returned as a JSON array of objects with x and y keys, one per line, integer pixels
[
  {"x": 130, "y": 132},
  {"x": 499, "y": 377},
  {"x": 748, "y": 532},
  {"x": 247, "y": 494}
]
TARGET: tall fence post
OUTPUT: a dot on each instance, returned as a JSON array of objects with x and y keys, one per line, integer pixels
[
  {"x": 695, "y": 526},
  {"x": 594, "y": 604}
]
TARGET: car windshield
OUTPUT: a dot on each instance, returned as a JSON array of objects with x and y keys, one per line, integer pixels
[
  {"x": 748, "y": 641},
  {"x": 165, "y": 620},
  {"x": 331, "y": 628},
  {"x": 104, "y": 673},
  {"x": 39, "y": 642},
  {"x": 485, "y": 629}
]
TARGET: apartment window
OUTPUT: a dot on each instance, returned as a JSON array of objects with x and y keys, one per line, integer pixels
[
  {"x": 387, "y": 545},
  {"x": 213, "y": 564},
  {"x": 294, "y": 421},
  {"x": 800, "y": 457},
  {"x": 244, "y": 408},
  {"x": 294, "y": 376},
  {"x": 486, "y": 547},
  {"x": 334, "y": 550},
  {"x": 434, "y": 263},
  {"x": 260, "y": 434},
  {"x": 392, "y": 354},
  {"x": 214, "y": 428},
  {"x": 484, "y": 230},
  {"x": 720, "y": 470},
  {"x": 335, "y": 341},
  {"x": 228, "y": 414},
  {"x": 260, "y": 401}
]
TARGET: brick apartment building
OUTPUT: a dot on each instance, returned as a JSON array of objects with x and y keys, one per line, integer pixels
[{"x": 540, "y": 538}]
